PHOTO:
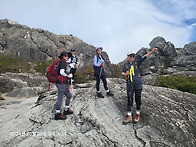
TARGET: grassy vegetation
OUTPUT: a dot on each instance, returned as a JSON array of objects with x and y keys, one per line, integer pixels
[
  {"x": 84, "y": 75},
  {"x": 42, "y": 66},
  {"x": 10, "y": 63},
  {"x": 13, "y": 64},
  {"x": 185, "y": 84}
]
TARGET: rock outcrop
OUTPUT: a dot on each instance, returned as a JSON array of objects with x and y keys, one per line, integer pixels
[
  {"x": 41, "y": 45},
  {"x": 167, "y": 119},
  {"x": 167, "y": 61},
  {"x": 22, "y": 84}
]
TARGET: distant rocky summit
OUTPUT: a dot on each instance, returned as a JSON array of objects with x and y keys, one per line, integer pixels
[{"x": 41, "y": 45}]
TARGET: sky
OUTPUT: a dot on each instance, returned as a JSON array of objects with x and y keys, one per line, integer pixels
[{"x": 116, "y": 25}]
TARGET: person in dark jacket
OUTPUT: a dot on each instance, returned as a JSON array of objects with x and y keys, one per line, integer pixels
[
  {"x": 99, "y": 72},
  {"x": 73, "y": 64},
  {"x": 134, "y": 83},
  {"x": 62, "y": 86}
]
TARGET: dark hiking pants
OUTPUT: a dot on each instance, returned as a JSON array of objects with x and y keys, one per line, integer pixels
[
  {"x": 98, "y": 82},
  {"x": 62, "y": 90},
  {"x": 131, "y": 91}
]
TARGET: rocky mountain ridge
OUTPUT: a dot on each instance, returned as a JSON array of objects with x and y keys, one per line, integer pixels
[{"x": 41, "y": 45}]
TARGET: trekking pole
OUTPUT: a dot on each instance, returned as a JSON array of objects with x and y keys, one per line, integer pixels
[
  {"x": 101, "y": 70},
  {"x": 71, "y": 86},
  {"x": 128, "y": 79}
]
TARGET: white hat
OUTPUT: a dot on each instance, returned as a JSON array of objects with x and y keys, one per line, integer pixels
[
  {"x": 98, "y": 48},
  {"x": 130, "y": 52}
]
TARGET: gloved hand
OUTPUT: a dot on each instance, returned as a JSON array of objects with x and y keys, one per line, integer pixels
[
  {"x": 71, "y": 65},
  {"x": 101, "y": 64},
  {"x": 75, "y": 65},
  {"x": 70, "y": 75}
]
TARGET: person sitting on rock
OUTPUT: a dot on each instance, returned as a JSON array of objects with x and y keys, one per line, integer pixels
[
  {"x": 63, "y": 87},
  {"x": 134, "y": 83},
  {"x": 99, "y": 72},
  {"x": 73, "y": 64}
]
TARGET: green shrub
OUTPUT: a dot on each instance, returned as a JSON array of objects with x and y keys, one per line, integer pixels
[
  {"x": 168, "y": 61},
  {"x": 9, "y": 63},
  {"x": 84, "y": 75},
  {"x": 185, "y": 84},
  {"x": 42, "y": 66}
]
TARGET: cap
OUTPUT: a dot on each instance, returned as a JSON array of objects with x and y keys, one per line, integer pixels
[
  {"x": 98, "y": 48},
  {"x": 130, "y": 52},
  {"x": 72, "y": 50}
]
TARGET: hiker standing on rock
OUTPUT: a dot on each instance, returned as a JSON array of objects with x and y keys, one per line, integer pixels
[
  {"x": 134, "y": 83},
  {"x": 73, "y": 64},
  {"x": 99, "y": 72},
  {"x": 62, "y": 86}
]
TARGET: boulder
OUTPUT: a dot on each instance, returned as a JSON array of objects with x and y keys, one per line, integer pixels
[
  {"x": 165, "y": 48},
  {"x": 190, "y": 48},
  {"x": 22, "y": 84}
]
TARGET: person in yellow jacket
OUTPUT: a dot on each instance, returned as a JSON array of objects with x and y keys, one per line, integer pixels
[{"x": 134, "y": 84}]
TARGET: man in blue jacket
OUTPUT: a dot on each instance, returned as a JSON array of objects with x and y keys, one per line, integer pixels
[{"x": 134, "y": 83}]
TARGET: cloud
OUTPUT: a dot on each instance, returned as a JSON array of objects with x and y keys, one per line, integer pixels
[{"x": 117, "y": 25}]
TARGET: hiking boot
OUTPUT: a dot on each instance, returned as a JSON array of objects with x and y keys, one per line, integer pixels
[
  {"x": 109, "y": 94},
  {"x": 100, "y": 95},
  {"x": 59, "y": 116},
  {"x": 127, "y": 120},
  {"x": 67, "y": 112},
  {"x": 137, "y": 118}
]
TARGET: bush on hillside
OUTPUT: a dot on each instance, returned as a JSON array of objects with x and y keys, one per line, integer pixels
[
  {"x": 84, "y": 75},
  {"x": 42, "y": 66},
  {"x": 185, "y": 84},
  {"x": 9, "y": 63}
]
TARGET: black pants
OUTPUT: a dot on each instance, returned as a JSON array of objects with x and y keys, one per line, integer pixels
[
  {"x": 98, "y": 82},
  {"x": 131, "y": 90},
  {"x": 73, "y": 71}
]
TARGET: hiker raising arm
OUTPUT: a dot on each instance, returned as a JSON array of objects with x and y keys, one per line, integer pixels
[
  {"x": 134, "y": 84},
  {"x": 150, "y": 53},
  {"x": 145, "y": 56}
]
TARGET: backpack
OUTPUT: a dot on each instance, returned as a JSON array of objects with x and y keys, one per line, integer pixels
[
  {"x": 52, "y": 71},
  {"x": 94, "y": 63}
]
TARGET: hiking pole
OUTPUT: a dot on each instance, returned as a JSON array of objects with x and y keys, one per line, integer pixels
[
  {"x": 100, "y": 73},
  {"x": 71, "y": 85},
  {"x": 101, "y": 70}
]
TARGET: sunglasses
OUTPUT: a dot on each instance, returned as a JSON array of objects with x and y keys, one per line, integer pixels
[
  {"x": 131, "y": 55},
  {"x": 66, "y": 55}
]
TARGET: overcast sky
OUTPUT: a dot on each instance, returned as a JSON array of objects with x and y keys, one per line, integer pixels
[{"x": 117, "y": 25}]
